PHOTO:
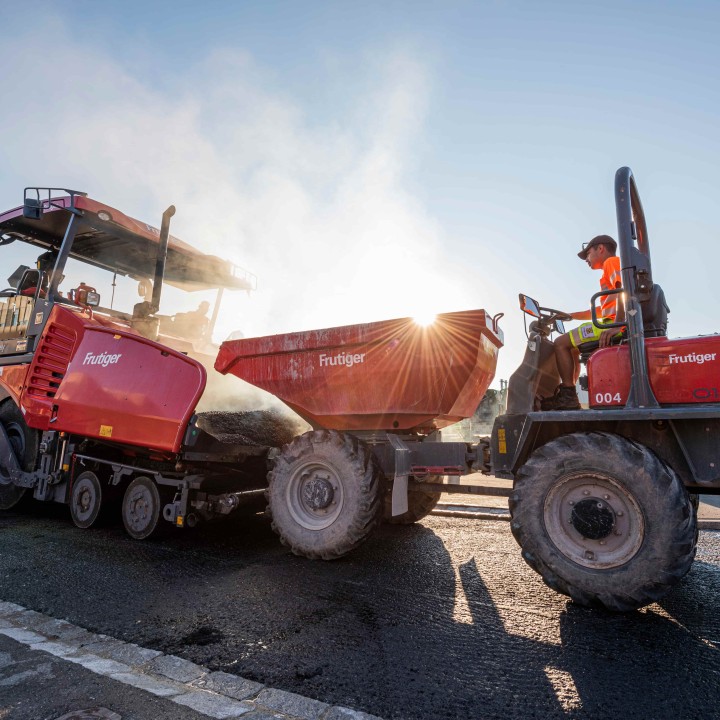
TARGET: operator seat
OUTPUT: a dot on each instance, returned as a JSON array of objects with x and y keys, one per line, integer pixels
[
  {"x": 655, "y": 313},
  {"x": 29, "y": 283},
  {"x": 655, "y": 319}
]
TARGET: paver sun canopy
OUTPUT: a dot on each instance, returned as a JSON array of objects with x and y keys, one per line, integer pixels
[{"x": 109, "y": 239}]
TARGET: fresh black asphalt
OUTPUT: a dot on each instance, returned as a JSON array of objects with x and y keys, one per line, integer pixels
[{"x": 438, "y": 620}]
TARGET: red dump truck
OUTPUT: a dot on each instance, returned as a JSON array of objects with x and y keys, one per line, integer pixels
[{"x": 99, "y": 403}]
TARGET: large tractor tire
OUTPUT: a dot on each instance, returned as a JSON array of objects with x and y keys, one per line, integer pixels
[
  {"x": 324, "y": 494},
  {"x": 420, "y": 504},
  {"x": 603, "y": 520},
  {"x": 25, "y": 442}
]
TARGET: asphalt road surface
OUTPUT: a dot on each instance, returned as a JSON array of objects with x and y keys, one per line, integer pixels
[{"x": 437, "y": 620}]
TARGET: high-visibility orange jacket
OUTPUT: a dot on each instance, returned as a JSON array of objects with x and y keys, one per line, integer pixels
[{"x": 611, "y": 280}]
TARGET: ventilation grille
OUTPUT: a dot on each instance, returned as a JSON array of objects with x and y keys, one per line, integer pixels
[{"x": 51, "y": 361}]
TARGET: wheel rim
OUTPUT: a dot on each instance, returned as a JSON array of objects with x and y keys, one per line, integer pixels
[
  {"x": 139, "y": 509},
  {"x": 86, "y": 499},
  {"x": 315, "y": 495},
  {"x": 593, "y": 520}
]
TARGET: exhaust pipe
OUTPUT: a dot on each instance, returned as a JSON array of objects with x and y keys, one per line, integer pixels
[{"x": 161, "y": 258}]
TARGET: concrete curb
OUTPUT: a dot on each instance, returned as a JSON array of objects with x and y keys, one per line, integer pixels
[{"x": 214, "y": 694}]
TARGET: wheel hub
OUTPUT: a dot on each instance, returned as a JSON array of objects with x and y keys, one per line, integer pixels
[
  {"x": 84, "y": 500},
  {"x": 317, "y": 492},
  {"x": 593, "y": 519},
  {"x": 315, "y": 495},
  {"x": 139, "y": 508}
]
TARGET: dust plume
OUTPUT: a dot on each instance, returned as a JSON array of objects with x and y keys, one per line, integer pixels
[{"x": 316, "y": 204}]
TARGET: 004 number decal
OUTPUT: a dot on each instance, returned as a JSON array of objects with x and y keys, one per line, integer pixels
[{"x": 607, "y": 398}]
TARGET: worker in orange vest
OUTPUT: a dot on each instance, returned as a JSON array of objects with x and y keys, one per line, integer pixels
[{"x": 599, "y": 254}]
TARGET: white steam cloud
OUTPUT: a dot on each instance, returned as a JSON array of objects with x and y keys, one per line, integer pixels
[{"x": 317, "y": 208}]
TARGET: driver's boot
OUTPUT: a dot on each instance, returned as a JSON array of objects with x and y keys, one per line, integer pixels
[{"x": 565, "y": 398}]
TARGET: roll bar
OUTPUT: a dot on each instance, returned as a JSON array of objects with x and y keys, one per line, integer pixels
[{"x": 636, "y": 271}]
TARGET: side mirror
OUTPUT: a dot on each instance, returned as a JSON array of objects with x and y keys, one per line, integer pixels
[
  {"x": 32, "y": 208},
  {"x": 559, "y": 326},
  {"x": 529, "y": 306}
]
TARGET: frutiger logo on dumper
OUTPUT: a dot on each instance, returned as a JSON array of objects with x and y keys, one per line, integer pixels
[
  {"x": 697, "y": 358},
  {"x": 103, "y": 359},
  {"x": 346, "y": 359}
]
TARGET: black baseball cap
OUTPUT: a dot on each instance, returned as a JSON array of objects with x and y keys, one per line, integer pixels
[{"x": 597, "y": 240}]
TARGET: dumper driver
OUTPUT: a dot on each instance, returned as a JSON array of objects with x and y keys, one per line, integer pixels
[{"x": 599, "y": 254}]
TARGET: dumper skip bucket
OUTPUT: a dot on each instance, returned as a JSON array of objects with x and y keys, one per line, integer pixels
[{"x": 388, "y": 375}]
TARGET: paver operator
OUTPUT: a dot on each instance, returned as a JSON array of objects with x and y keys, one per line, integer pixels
[{"x": 599, "y": 254}]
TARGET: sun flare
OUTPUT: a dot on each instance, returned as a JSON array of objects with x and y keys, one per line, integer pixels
[{"x": 425, "y": 319}]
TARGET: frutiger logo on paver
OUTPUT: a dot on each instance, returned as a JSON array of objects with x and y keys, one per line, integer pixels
[
  {"x": 103, "y": 359},
  {"x": 697, "y": 358}
]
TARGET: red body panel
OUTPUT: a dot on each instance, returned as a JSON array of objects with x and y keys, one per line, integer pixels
[
  {"x": 682, "y": 370},
  {"x": 99, "y": 380},
  {"x": 393, "y": 374},
  {"x": 12, "y": 379}
]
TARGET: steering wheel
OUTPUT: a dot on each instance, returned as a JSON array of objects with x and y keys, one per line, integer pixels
[{"x": 557, "y": 314}]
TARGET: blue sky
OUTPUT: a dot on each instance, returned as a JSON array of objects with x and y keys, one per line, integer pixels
[{"x": 374, "y": 159}]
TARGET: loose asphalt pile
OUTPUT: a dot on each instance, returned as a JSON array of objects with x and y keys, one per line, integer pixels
[{"x": 254, "y": 427}]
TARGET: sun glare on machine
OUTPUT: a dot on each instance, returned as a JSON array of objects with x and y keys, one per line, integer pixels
[{"x": 424, "y": 319}]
